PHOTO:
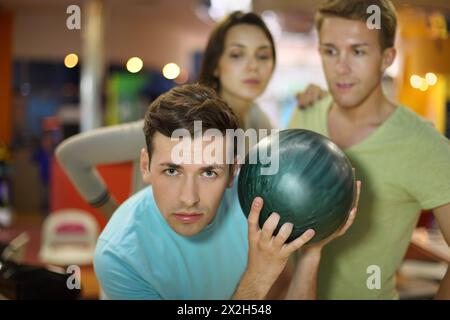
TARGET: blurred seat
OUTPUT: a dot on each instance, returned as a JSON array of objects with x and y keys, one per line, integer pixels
[{"x": 68, "y": 238}]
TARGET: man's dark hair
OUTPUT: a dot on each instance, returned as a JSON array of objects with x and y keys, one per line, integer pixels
[{"x": 181, "y": 106}]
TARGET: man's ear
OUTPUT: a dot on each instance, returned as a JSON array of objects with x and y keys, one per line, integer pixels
[
  {"x": 145, "y": 166},
  {"x": 389, "y": 55}
]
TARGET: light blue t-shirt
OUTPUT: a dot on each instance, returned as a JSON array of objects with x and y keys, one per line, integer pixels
[{"x": 138, "y": 256}]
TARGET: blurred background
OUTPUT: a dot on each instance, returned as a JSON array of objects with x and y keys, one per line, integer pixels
[{"x": 60, "y": 75}]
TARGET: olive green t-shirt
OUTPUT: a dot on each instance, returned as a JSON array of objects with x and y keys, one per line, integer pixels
[{"x": 404, "y": 166}]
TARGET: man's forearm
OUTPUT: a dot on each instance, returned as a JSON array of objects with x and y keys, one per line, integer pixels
[
  {"x": 253, "y": 287},
  {"x": 280, "y": 287},
  {"x": 304, "y": 282},
  {"x": 109, "y": 207},
  {"x": 444, "y": 288}
]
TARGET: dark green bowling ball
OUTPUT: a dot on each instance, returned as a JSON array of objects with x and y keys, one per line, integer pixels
[{"x": 314, "y": 186}]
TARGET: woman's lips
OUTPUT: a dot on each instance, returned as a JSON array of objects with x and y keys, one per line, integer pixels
[
  {"x": 251, "y": 81},
  {"x": 188, "y": 217}
]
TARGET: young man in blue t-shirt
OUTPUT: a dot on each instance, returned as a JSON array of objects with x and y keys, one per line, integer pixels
[{"x": 185, "y": 236}]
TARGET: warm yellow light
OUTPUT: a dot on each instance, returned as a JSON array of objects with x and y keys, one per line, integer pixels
[
  {"x": 431, "y": 78},
  {"x": 171, "y": 71},
  {"x": 416, "y": 81},
  {"x": 71, "y": 60},
  {"x": 134, "y": 64},
  {"x": 424, "y": 86}
]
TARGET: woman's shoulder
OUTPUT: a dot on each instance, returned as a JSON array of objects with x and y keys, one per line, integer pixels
[{"x": 258, "y": 119}]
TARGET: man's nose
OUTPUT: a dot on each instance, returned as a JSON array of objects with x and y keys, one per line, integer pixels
[
  {"x": 189, "y": 192},
  {"x": 342, "y": 65}
]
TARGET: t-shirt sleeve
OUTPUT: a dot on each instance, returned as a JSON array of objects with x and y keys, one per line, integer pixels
[
  {"x": 428, "y": 168},
  {"x": 117, "y": 279}
]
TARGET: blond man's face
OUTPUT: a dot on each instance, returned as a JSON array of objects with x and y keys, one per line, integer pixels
[{"x": 352, "y": 60}]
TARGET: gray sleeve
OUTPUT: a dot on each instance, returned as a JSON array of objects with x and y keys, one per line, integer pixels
[
  {"x": 257, "y": 119},
  {"x": 79, "y": 155}
]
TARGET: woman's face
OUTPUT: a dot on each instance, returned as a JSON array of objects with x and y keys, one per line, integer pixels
[{"x": 246, "y": 64}]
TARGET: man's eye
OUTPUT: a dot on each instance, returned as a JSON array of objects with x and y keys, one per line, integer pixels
[
  {"x": 359, "y": 52},
  {"x": 330, "y": 52},
  {"x": 209, "y": 174},
  {"x": 171, "y": 172}
]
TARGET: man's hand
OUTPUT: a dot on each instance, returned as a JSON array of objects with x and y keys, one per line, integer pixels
[
  {"x": 310, "y": 95},
  {"x": 341, "y": 231},
  {"x": 304, "y": 281},
  {"x": 268, "y": 254}
]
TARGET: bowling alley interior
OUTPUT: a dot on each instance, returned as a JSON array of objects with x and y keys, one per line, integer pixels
[{"x": 69, "y": 66}]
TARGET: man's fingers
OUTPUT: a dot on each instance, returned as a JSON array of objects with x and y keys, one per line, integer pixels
[
  {"x": 352, "y": 214},
  {"x": 348, "y": 223},
  {"x": 301, "y": 100},
  {"x": 283, "y": 234},
  {"x": 299, "y": 242},
  {"x": 351, "y": 217},
  {"x": 316, "y": 95},
  {"x": 306, "y": 97},
  {"x": 253, "y": 216},
  {"x": 323, "y": 94},
  {"x": 269, "y": 227},
  {"x": 358, "y": 193}
]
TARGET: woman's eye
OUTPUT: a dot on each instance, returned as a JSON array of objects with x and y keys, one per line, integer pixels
[
  {"x": 359, "y": 52},
  {"x": 235, "y": 55},
  {"x": 264, "y": 57}
]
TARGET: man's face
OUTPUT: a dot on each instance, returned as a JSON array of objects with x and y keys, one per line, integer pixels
[
  {"x": 352, "y": 60},
  {"x": 188, "y": 195}
]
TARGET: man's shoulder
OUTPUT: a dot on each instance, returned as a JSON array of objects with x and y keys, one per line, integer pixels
[
  {"x": 128, "y": 218},
  {"x": 410, "y": 118},
  {"x": 416, "y": 127},
  {"x": 132, "y": 235},
  {"x": 414, "y": 139}
]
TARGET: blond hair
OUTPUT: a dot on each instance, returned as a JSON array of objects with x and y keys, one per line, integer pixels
[{"x": 357, "y": 10}]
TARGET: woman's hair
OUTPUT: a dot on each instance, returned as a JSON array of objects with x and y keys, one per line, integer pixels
[{"x": 216, "y": 44}]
